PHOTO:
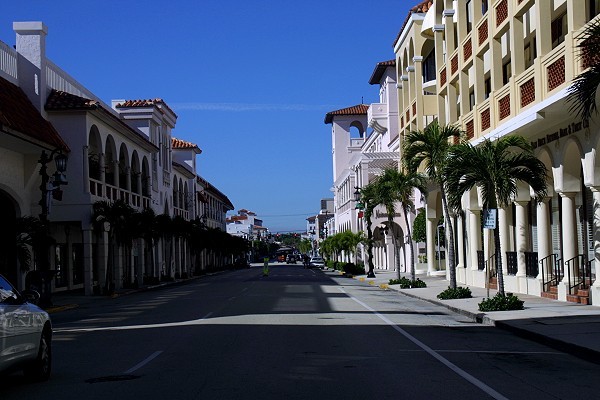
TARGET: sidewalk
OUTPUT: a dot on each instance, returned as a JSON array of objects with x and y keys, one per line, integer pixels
[{"x": 569, "y": 327}]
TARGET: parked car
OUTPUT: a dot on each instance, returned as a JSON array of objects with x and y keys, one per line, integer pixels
[
  {"x": 317, "y": 261},
  {"x": 25, "y": 333}
]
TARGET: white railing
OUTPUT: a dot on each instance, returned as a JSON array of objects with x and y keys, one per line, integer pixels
[
  {"x": 58, "y": 79},
  {"x": 8, "y": 62}
]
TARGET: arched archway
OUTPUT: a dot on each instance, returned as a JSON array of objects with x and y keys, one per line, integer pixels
[{"x": 9, "y": 211}]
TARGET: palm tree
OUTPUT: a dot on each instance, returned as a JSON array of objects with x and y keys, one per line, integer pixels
[
  {"x": 429, "y": 148},
  {"x": 368, "y": 201},
  {"x": 385, "y": 194},
  {"x": 404, "y": 184},
  {"x": 495, "y": 167},
  {"x": 164, "y": 225},
  {"x": 582, "y": 94},
  {"x": 148, "y": 230},
  {"x": 118, "y": 215}
]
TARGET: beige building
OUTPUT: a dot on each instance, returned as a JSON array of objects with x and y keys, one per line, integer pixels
[{"x": 504, "y": 67}]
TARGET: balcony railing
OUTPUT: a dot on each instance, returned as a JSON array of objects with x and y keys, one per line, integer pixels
[
  {"x": 377, "y": 115},
  {"x": 8, "y": 62},
  {"x": 112, "y": 193}
]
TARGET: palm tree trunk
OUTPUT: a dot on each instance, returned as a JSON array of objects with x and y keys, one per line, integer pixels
[
  {"x": 450, "y": 247},
  {"x": 370, "y": 274},
  {"x": 410, "y": 246},
  {"x": 499, "y": 272},
  {"x": 394, "y": 245}
]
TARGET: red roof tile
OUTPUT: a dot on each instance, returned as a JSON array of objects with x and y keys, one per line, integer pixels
[
  {"x": 182, "y": 144},
  {"x": 422, "y": 7},
  {"x": 360, "y": 109},
  {"x": 379, "y": 70},
  {"x": 145, "y": 103},
  {"x": 20, "y": 115},
  {"x": 63, "y": 101}
]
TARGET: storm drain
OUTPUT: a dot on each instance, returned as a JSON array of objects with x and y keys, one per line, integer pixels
[{"x": 113, "y": 378}]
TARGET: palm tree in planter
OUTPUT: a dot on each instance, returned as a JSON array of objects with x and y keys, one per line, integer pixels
[
  {"x": 429, "y": 149},
  {"x": 164, "y": 225},
  {"x": 583, "y": 92},
  {"x": 368, "y": 200},
  {"x": 149, "y": 232},
  {"x": 495, "y": 167},
  {"x": 118, "y": 215}
]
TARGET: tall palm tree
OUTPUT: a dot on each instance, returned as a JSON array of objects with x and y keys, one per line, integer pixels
[
  {"x": 368, "y": 200},
  {"x": 404, "y": 185},
  {"x": 164, "y": 224},
  {"x": 385, "y": 188},
  {"x": 149, "y": 232},
  {"x": 582, "y": 94},
  {"x": 495, "y": 167},
  {"x": 119, "y": 216},
  {"x": 429, "y": 149}
]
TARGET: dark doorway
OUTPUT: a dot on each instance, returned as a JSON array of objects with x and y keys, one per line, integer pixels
[{"x": 8, "y": 257}]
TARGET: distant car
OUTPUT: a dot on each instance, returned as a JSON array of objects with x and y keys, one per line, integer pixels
[
  {"x": 25, "y": 333},
  {"x": 317, "y": 261},
  {"x": 291, "y": 258}
]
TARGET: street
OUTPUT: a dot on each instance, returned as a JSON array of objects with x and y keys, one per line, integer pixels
[{"x": 296, "y": 334}]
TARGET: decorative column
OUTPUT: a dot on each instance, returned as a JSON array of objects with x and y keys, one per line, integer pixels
[
  {"x": 504, "y": 240},
  {"x": 86, "y": 170},
  {"x": 569, "y": 239},
  {"x": 431, "y": 231},
  {"x": 595, "y": 288},
  {"x": 474, "y": 242},
  {"x": 88, "y": 262},
  {"x": 141, "y": 262},
  {"x": 460, "y": 240},
  {"x": 521, "y": 235}
]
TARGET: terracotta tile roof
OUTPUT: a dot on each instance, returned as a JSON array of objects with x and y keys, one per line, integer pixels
[
  {"x": 379, "y": 70},
  {"x": 422, "y": 7},
  {"x": 18, "y": 114},
  {"x": 63, "y": 101},
  {"x": 145, "y": 103},
  {"x": 360, "y": 109},
  {"x": 182, "y": 144},
  {"x": 58, "y": 100}
]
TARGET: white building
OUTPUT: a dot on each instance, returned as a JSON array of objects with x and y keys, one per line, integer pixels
[{"x": 122, "y": 153}]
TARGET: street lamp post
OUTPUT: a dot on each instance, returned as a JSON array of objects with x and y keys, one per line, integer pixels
[{"x": 48, "y": 189}]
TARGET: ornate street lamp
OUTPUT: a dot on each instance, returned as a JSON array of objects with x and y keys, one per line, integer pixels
[{"x": 44, "y": 275}]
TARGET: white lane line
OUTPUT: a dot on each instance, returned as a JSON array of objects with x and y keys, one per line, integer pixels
[
  {"x": 465, "y": 375},
  {"x": 144, "y": 362}
]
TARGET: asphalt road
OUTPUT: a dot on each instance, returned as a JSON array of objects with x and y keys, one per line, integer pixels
[{"x": 297, "y": 334}]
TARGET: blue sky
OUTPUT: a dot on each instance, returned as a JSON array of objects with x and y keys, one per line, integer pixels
[{"x": 250, "y": 81}]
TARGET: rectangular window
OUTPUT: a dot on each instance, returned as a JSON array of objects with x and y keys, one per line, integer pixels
[
  {"x": 484, "y": 7},
  {"x": 594, "y": 6},
  {"x": 530, "y": 53},
  {"x": 558, "y": 29},
  {"x": 469, "y": 11},
  {"x": 506, "y": 72},
  {"x": 487, "y": 88},
  {"x": 471, "y": 99},
  {"x": 429, "y": 73}
]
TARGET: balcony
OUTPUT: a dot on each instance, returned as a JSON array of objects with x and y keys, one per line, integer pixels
[
  {"x": 100, "y": 191},
  {"x": 377, "y": 117}
]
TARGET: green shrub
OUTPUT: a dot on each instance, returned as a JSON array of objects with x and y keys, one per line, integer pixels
[
  {"x": 406, "y": 283},
  {"x": 458, "y": 293},
  {"x": 501, "y": 303},
  {"x": 351, "y": 268}
]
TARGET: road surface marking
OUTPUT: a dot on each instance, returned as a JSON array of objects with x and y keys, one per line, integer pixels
[
  {"x": 144, "y": 362},
  {"x": 468, "y": 377}
]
